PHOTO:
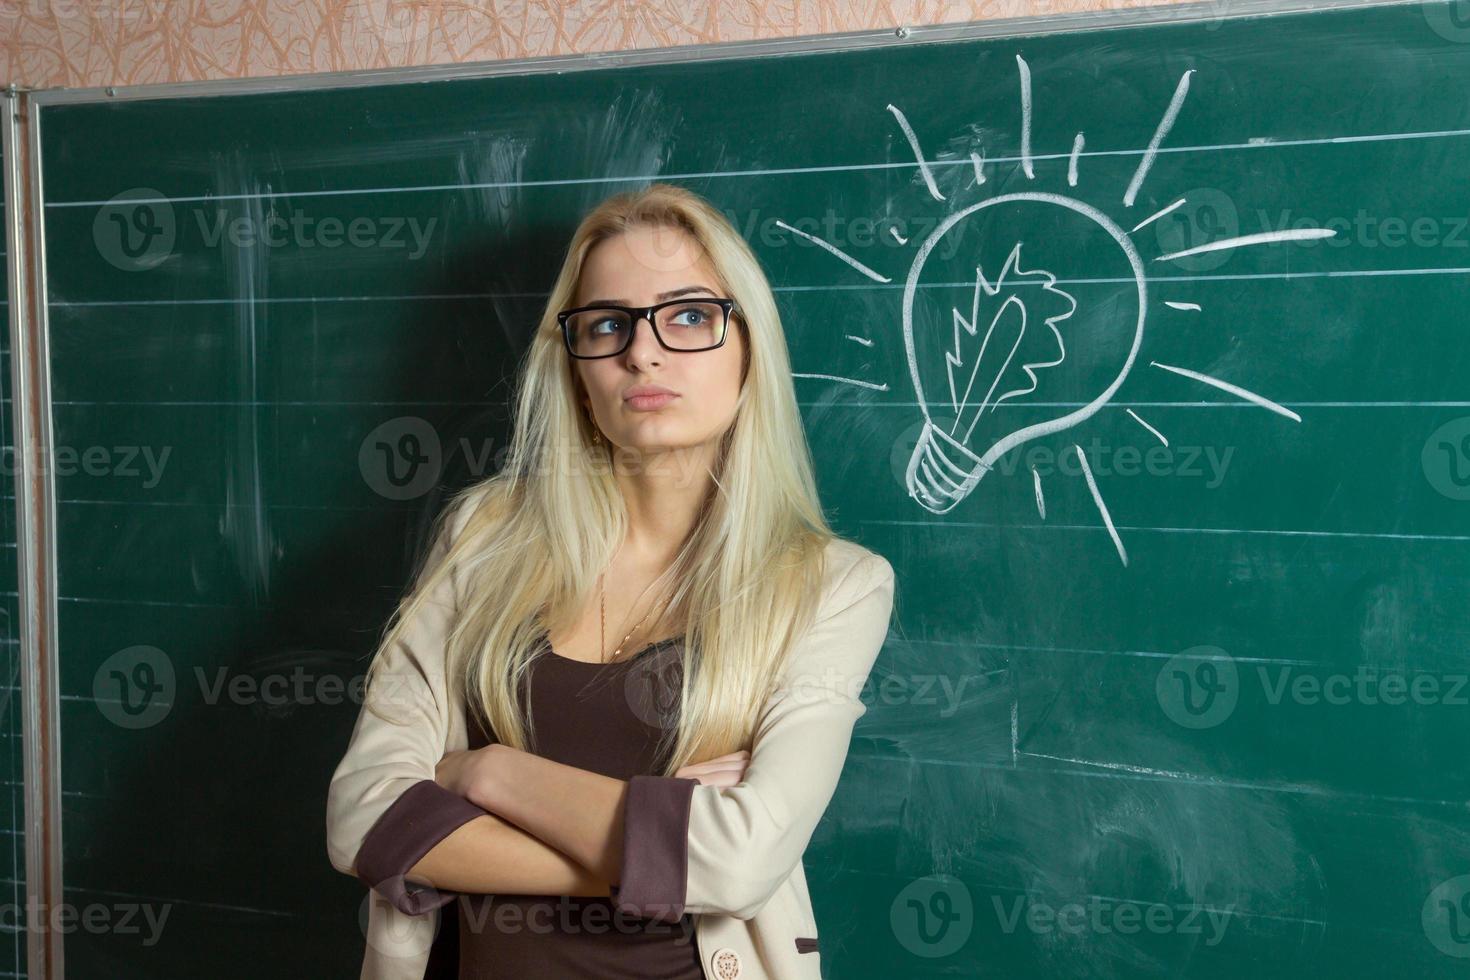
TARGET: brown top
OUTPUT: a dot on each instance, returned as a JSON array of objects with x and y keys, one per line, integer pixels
[
  {"x": 608, "y": 719},
  {"x": 605, "y": 718}
]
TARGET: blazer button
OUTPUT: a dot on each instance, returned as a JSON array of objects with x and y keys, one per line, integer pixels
[{"x": 725, "y": 964}]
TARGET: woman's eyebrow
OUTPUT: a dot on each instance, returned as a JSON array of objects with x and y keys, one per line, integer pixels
[{"x": 671, "y": 294}]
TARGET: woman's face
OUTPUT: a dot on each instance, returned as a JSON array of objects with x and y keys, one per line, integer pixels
[{"x": 641, "y": 267}]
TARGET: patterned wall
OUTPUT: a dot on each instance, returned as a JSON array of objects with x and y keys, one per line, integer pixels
[{"x": 77, "y": 43}]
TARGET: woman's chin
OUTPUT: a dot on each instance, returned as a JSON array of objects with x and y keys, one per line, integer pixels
[{"x": 650, "y": 444}]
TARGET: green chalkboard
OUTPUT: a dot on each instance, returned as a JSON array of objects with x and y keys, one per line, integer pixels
[{"x": 1192, "y": 709}]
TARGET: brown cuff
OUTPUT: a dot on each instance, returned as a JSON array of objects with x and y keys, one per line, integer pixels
[
  {"x": 422, "y": 816},
  {"x": 655, "y": 870}
]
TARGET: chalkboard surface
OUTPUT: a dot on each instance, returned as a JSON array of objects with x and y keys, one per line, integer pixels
[{"x": 1140, "y": 352}]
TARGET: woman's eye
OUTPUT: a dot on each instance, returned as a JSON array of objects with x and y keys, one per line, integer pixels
[
  {"x": 697, "y": 317},
  {"x": 609, "y": 323}
]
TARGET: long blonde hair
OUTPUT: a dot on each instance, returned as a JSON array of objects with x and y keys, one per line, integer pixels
[{"x": 536, "y": 534}]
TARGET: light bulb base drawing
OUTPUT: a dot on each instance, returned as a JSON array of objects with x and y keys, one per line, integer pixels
[{"x": 942, "y": 471}]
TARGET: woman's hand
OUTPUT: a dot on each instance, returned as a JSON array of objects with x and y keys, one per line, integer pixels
[
  {"x": 724, "y": 770},
  {"x": 466, "y": 773}
]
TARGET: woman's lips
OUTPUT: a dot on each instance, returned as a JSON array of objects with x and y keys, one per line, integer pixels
[{"x": 648, "y": 403}]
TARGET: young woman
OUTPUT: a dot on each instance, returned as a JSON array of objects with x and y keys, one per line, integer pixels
[{"x": 618, "y": 699}]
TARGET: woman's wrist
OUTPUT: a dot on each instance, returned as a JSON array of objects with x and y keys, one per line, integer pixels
[{"x": 484, "y": 787}]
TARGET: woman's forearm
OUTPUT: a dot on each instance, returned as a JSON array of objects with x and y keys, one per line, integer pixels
[
  {"x": 488, "y": 855},
  {"x": 576, "y": 812}
]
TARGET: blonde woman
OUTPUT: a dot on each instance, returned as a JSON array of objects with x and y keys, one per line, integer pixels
[{"x": 613, "y": 708}]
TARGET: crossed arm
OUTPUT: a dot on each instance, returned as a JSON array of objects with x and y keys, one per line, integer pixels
[
  {"x": 499, "y": 820},
  {"x": 489, "y": 855},
  {"x": 572, "y": 844},
  {"x": 574, "y": 820}
]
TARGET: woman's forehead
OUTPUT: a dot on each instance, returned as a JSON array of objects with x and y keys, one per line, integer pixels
[{"x": 631, "y": 265}]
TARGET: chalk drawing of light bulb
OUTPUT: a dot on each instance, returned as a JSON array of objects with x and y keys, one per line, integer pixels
[
  {"x": 1024, "y": 313},
  {"x": 998, "y": 355}
]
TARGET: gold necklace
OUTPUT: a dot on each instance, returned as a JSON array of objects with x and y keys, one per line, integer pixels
[{"x": 602, "y": 629}]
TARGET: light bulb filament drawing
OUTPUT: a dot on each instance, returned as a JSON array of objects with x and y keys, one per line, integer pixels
[{"x": 1012, "y": 318}]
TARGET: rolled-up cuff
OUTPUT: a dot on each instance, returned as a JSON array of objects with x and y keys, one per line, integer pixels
[
  {"x": 422, "y": 816},
  {"x": 655, "y": 872}
]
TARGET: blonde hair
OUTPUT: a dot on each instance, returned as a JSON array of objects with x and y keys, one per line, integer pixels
[{"x": 536, "y": 534}]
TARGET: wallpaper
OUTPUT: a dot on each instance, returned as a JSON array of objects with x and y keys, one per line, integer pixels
[{"x": 79, "y": 43}]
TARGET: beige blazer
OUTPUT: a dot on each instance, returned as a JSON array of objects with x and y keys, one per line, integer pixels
[{"x": 730, "y": 856}]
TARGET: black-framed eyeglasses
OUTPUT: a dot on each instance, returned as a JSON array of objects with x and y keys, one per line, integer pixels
[{"x": 683, "y": 325}]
